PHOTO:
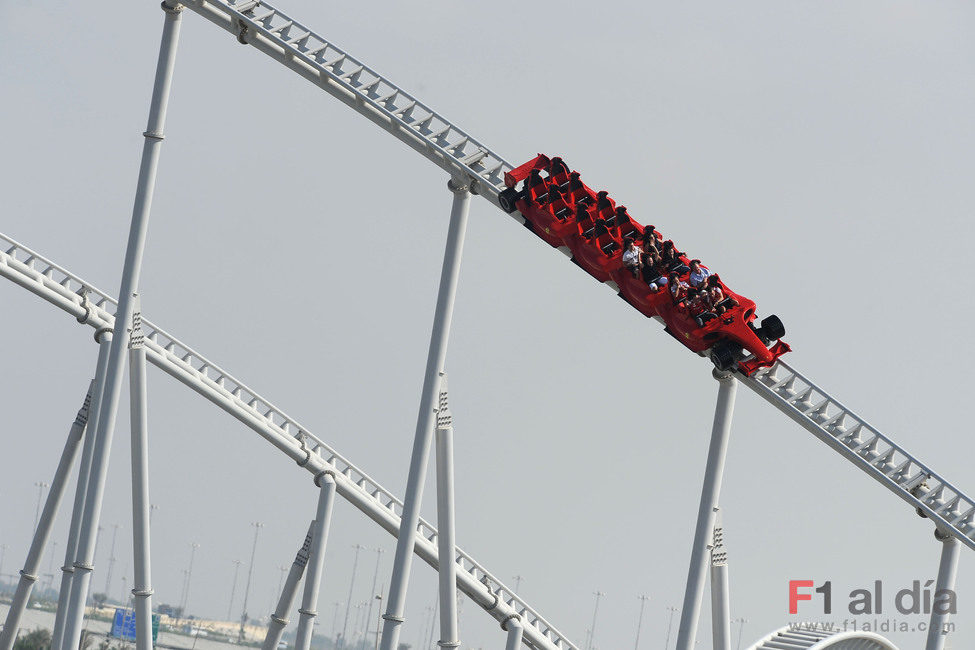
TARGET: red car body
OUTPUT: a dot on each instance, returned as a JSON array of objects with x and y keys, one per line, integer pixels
[{"x": 564, "y": 223}]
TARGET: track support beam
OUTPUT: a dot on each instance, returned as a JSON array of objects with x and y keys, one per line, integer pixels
[
  {"x": 139, "y": 421},
  {"x": 123, "y": 320},
  {"x": 104, "y": 339},
  {"x": 720, "y": 595},
  {"x": 402, "y": 560},
  {"x": 713, "y": 473},
  {"x": 316, "y": 565},
  {"x": 947, "y": 570},
  {"x": 279, "y": 619},
  {"x": 446, "y": 537},
  {"x": 28, "y": 575}
]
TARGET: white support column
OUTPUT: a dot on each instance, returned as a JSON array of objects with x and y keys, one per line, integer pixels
[
  {"x": 403, "y": 558},
  {"x": 104, "y": 340},
  {"x": 512, "y": 625},
  {"x": 720, "y": 600},
  {"x": 142, "y": 587},
  {"x": 947, "y": 570},
  {"x": 309, "y": 602},
  {"x": 446, "y": 538},
  {"x": 713, "y": 473},
  {"x": 28, "y": 575},
  {"x": 123, "y": 320},
  {"x": 279, "y": 619}
]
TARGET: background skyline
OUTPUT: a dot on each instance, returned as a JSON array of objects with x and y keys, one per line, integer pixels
[{"x": 817, "y": 156}]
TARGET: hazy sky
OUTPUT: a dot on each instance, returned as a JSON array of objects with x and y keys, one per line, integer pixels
[{"x": 818, "y": 155}]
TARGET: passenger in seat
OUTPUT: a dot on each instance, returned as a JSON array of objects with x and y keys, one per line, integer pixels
[
  {"x": 716, "y": 296},
  {"x": 698, "y": 306},
  {"x": 651, "y": 239},
  {"x": 671, "y": 258},
  {"x": 699, "y": 274},
  {"x": 653, "y": 271},
  {"x": 678, "y": 288},
  {"x": 631, "y": 257}
]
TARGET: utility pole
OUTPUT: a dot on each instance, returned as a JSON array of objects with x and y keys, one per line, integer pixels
[
  {"x": 348, "y": 603},
  {"x": 250, "y": 571},
  {"x": 643, "y": 601},
  {"x": 233, "y": 589},
  {"x": 518, "y": 580}
]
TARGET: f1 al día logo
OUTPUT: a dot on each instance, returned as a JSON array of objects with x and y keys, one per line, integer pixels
[{"x": 916, "y": 599}]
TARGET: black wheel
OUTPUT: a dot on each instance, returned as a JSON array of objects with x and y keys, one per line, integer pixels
[
  {"x": 723, "y": 356},
  {"x": 507, "y": 199},
  {"x": 758, "y": 332},
  {"x": 773, "y": 328}
]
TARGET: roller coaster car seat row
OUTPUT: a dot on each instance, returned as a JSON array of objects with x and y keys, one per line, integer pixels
[{"x": 561, "y": 210}]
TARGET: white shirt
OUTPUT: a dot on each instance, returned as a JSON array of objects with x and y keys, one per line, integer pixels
[
  {"x": 697, "y": 278},
  {"x": 631, "y": 256}
]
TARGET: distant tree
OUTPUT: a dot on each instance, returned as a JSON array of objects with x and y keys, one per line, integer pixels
[
  {"x": 99, "y": 599},
  {"x": 37, "y": 640}
]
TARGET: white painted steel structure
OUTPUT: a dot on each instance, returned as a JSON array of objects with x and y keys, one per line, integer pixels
[
  {"x": 788, "y": 638},
  {"x": 95, "y": 308},
  {"x": 473, "y": 169}
]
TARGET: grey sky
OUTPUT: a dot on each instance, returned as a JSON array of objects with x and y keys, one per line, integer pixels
[{"x": 818, "y": 155}]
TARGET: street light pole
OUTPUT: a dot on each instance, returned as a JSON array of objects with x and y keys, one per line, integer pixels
[
  {"x": 250, "y": 571},
  {"x": 233, "y": 589},
  {"x": 375, "y": 578},
  {"x": 592, "y": 628},
  {"x": 643, "y": 601},
  {"x": 670, "y": 625},
  {"x": 741, "y": 624},
  {"x": 348, "y": 603},
  {"x": 189, "y": 577},
  {"x": 111, "y": 561},
  {"x": 40, "y": 485}
]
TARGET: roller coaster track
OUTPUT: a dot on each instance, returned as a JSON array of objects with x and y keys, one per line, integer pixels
[
  {"x": 402, "y": 115},
  {"x": 300, "y": 49},
  {"x": 56, "y": 285}
]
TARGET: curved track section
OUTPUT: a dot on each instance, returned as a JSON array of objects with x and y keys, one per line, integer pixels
[
  {"x": 788, "y": 638},
  {"x": 90, "y": 306}
]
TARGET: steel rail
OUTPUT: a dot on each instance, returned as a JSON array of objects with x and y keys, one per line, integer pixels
[
  {"x": 866, "y": 447},
  {"x": 95, "y": 308},
  {"x": 360, "y": 87}
]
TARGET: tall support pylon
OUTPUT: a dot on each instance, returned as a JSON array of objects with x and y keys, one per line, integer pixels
[
  {"x": 403, "y": 557},
  {"x": 512, "y": 625},
  {"x": 720, "y": 596},
  {"x": 123, "y": 320},
  {"x": 446, "y": 537},
  {"x": 947, "y": 571},
  {"x": 316, "y": 565},
  {"x": 139, "y": 421},
  {"x": 28, "y": 575},
  {"x": 279, "y": 619},
  {"x": 104, "y": 340},
  {"x": 713, "y": 473}
]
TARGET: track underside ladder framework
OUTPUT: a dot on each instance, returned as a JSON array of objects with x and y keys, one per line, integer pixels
[{"x": 478, "y": 170}]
